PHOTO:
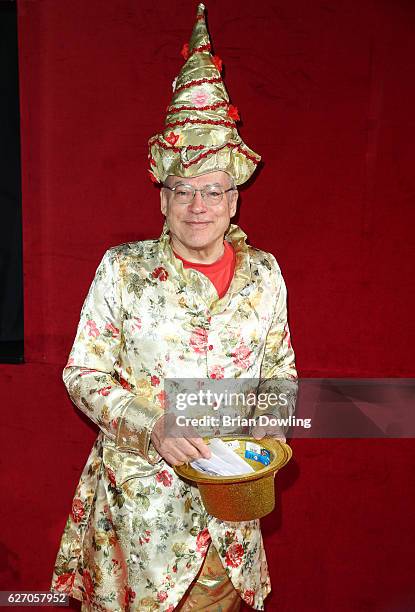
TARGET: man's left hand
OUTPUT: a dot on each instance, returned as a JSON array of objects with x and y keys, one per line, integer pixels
[{"x": 272, "y": 431}]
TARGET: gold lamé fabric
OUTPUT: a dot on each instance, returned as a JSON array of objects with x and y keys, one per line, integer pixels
[
  {"x": 211, "y": 589},
  {"x": 200, "y": 133}
]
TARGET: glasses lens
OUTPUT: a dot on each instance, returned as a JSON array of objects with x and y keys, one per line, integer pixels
[
  {"x": 183, "y": 194},
  {"x": 213, "y": 195}
]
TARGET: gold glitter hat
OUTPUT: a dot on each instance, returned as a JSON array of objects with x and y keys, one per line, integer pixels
[
  {"x": 248, "y": 496},
  {"x": 200, "y": 132}
]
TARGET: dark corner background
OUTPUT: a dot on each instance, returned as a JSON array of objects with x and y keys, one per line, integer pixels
[{"x": 11, "y": 291}]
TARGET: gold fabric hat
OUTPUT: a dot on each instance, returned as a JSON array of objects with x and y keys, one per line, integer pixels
[{"x": 200, "y": 132}]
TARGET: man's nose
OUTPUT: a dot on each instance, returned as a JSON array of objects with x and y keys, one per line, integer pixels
[{"x": 198, "y": 204}]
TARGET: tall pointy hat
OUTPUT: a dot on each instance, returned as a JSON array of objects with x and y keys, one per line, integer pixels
[{"x": 200, "y": 132}]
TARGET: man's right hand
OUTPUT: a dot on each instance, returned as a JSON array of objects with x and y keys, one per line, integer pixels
[{"x": 177, "y": 445}]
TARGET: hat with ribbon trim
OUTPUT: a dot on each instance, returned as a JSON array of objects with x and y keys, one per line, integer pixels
[{"x": 200, "y": 133}]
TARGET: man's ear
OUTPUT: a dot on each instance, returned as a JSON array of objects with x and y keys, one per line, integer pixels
[
  {"x": 233, "y": 202},
  {"x": 163, "y": 201}
]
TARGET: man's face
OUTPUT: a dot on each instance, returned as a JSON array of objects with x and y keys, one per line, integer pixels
[{"x": 198, "y": 225}]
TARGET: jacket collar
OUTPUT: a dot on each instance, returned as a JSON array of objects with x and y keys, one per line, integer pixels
[{"x": 199, "y": 281}]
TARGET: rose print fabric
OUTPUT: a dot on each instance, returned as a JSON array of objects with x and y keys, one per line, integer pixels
[{"x": 137, "y": 534}]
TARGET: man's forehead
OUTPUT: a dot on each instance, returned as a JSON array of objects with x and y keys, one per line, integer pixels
[{"x": 209, "y": 178}]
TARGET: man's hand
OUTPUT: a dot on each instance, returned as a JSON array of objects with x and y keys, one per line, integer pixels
[
  {"x": 177, "y": 445},
  {"x": 273, "y": 431}
]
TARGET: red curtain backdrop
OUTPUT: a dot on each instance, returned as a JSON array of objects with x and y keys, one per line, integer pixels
[{"x": 325, "y": 91}]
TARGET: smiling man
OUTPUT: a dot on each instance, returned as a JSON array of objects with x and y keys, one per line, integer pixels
[
  {"x": 198, "y": 211},
  {"x": 198, "y": 302}
]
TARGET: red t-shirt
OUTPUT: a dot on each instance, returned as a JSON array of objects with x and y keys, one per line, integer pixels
[{"x": 220, "y": 272}]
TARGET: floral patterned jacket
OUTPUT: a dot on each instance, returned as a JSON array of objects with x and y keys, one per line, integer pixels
[{"x": 137, "y": 534}]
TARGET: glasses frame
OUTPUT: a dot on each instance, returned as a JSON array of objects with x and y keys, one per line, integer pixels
[{"x": 202, "y": 192}]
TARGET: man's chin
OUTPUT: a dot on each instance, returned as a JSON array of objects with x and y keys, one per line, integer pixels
[{"x": 197, "y": 245}]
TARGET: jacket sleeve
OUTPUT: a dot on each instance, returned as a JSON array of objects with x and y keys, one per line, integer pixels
[
  {"x": 90, "y": 375},
  {"x": 278, "y": 370}
]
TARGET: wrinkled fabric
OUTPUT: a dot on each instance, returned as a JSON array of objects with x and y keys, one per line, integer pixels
[
  {"x": 137, "y": 534},
  {"x": 220, "y": 272},
  {"x": 212, "y": 590},
  {"x": 200, "y": 133}
]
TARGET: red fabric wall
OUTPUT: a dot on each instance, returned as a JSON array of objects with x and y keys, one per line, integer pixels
[{"x": 326, "y": 93}]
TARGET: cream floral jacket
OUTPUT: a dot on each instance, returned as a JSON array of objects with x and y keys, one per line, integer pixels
[{"x": 137, "y": 534}]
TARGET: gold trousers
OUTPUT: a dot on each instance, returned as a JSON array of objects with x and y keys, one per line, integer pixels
[{"x": 211, "y": 590}]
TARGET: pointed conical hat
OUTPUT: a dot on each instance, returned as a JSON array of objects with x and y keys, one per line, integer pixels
[{"x": 200, "y": 132}]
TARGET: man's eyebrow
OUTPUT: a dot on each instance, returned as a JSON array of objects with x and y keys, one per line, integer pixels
[{"x": 203, "y": 186}]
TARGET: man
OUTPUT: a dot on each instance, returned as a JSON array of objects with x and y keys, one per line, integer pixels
[{"x": 196, "y": 303}]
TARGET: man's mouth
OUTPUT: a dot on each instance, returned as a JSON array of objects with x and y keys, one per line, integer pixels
[{"x": 198, "y": 223}]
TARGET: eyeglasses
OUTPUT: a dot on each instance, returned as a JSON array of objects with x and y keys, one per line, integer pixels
[{"x": 211, "y": 194}]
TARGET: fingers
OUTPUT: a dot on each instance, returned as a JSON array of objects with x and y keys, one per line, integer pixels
[
  {"x": 191, "y": 449},
  {"x": 260, "y": 432},
  {"x": 202, "y": 448},
  {"x": 172, "y": 460},
  {"x": 177, "y": 451},
  {"x": 193, "y": 438}
]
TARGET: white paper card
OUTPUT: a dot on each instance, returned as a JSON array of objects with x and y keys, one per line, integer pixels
[{"x": 223, "y": 462}]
